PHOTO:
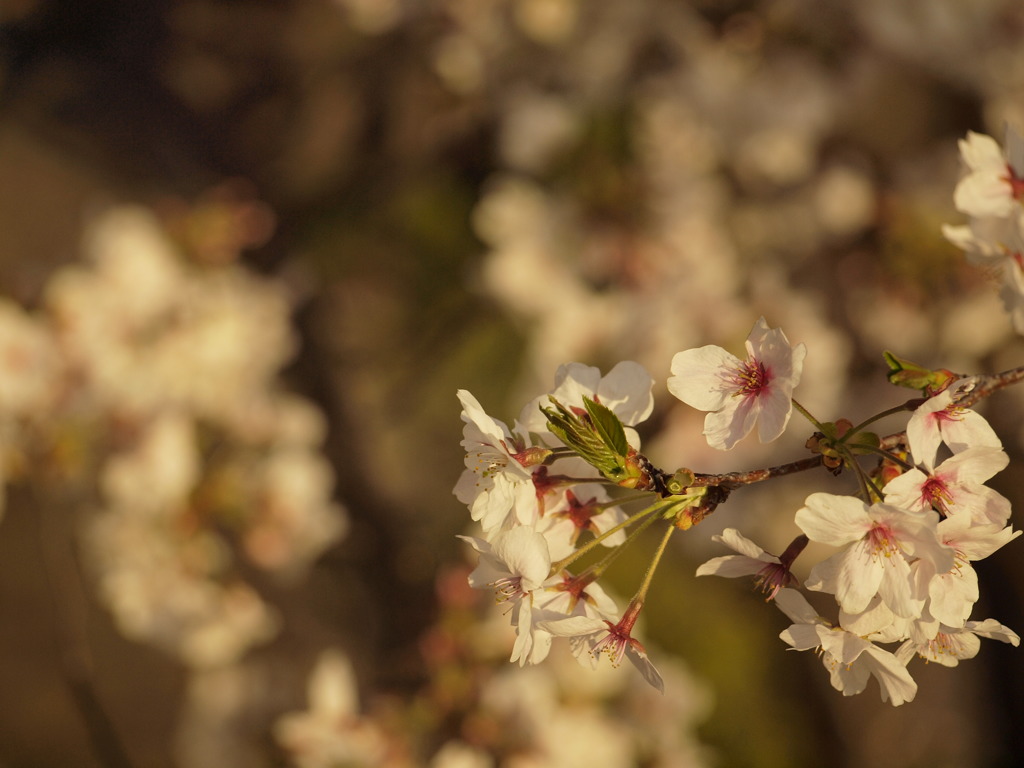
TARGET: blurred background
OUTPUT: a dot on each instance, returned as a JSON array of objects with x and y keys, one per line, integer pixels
[{"x": 250, "y": 250}]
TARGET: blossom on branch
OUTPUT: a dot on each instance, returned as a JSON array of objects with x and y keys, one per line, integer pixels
[
  {"x": 741, "y": 393},
  {"x": 590, "y": 637},
  {"x": 515, "y": 565},
  {"x": 772, "y": 572},
  {"x": 994, "y": 183},
  {"x": 497, "y": 483},
  {"x": 955, "y": 487},
  {"x": 952, "y": 644},
  {"x": 990, "y": 193},
  {"x": 878, "y": 543},
  {"x": 850, "y": 659},
  {"x": 940, "y": 420}
]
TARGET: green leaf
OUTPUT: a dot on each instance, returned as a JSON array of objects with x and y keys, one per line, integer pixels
[
  {"x": 591, "y": 442},
  {"x": 608, "y": 426}
]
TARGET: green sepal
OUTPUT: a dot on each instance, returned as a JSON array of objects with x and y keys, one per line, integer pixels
[
  {"x": 681, "y": 480},
  {"x": 864, "y": 442}
]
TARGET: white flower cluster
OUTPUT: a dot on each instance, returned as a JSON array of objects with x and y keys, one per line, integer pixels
[
  {"x": 903, "y": 570},
  {"x": 990, "y": 193},
  {"x": 157, "y": 376},
  {"x": 533, "y": 500}
]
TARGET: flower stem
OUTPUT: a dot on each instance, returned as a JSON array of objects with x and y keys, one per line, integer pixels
[
  {"x": 907, "y": 406},
  {"x": 888, "y": 455},
  {"x": 807, "y": 415},
  {"x": 566, "y": 561},
  {"x": 641, "y": 593},
  {"x": 602, "y": 566}
]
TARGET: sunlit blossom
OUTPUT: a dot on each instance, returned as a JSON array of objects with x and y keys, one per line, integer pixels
[
  {"x": 851, "y": 660},
  {"x": 741, "y": 393}
]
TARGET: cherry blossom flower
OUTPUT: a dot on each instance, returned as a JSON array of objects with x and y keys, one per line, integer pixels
[
  {"x": 772, "y": 572},
  {"x": 953, "y": 594},
  {"x": 498, "y": 481},
  {"x": 955, "y": 487},
  {"x": 590, "y": 637},
  {"x": 563, "y": 597},
  {"x": 575, "y": 595},
  {"x": 515, "y": 564},
  {"x": 877, "y": 543},
  {"x": 741, "y": 393},
  {"x": 939, "y": 420},
  {"x": 994, "y": 183},
  {"x": 849, "y": 658},
  {"x": 953, "y": 644}
]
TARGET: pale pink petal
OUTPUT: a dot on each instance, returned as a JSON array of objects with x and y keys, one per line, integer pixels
[
  {"x": 639, "y": 660},
  {"x": 953, "y": 595},
  {"x": 834, "y": 520},
  {"x": 697, "y": 377},
  {"x": 845, "y": 647},
  {"x": 776, "y": 406},
  {"x": 969, "y": 430},
  {"x": 730, "y": 566},
  {"x": 526, "y": 553},
  {"x": 796, "y": 607},
  {"x": 726, "y": 427},
  {"x": 802, "y": 637},
  {"x": 895, "y": 586},
  {"x": 981, "y": 152},
  {"x": 573, "y": 626},
  {"x": 736, "y": 541},
  {"x": 983, "y": 194},
  {"x": 858, "y": 578},
  {"x": 993, "y": 630},
  {"x": 626, "y": 390},
  {"x": 893, "y": 678}
]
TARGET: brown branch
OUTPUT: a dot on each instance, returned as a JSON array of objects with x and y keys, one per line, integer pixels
[
  {"x": 733, "y": 480},
  {"x": 730, "y": 481},
  {"x": 991, "y": 383}
]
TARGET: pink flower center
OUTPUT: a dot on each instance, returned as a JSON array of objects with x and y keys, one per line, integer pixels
[
  {"x": 883, "y": 540},
  {"x": 575, "y": 587},
  {"x": 935, "y": 493},
  {"x": 772, "y": 578},
  {"x": 618, "y": 639},
  {"x": 751, "y": 379}
]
